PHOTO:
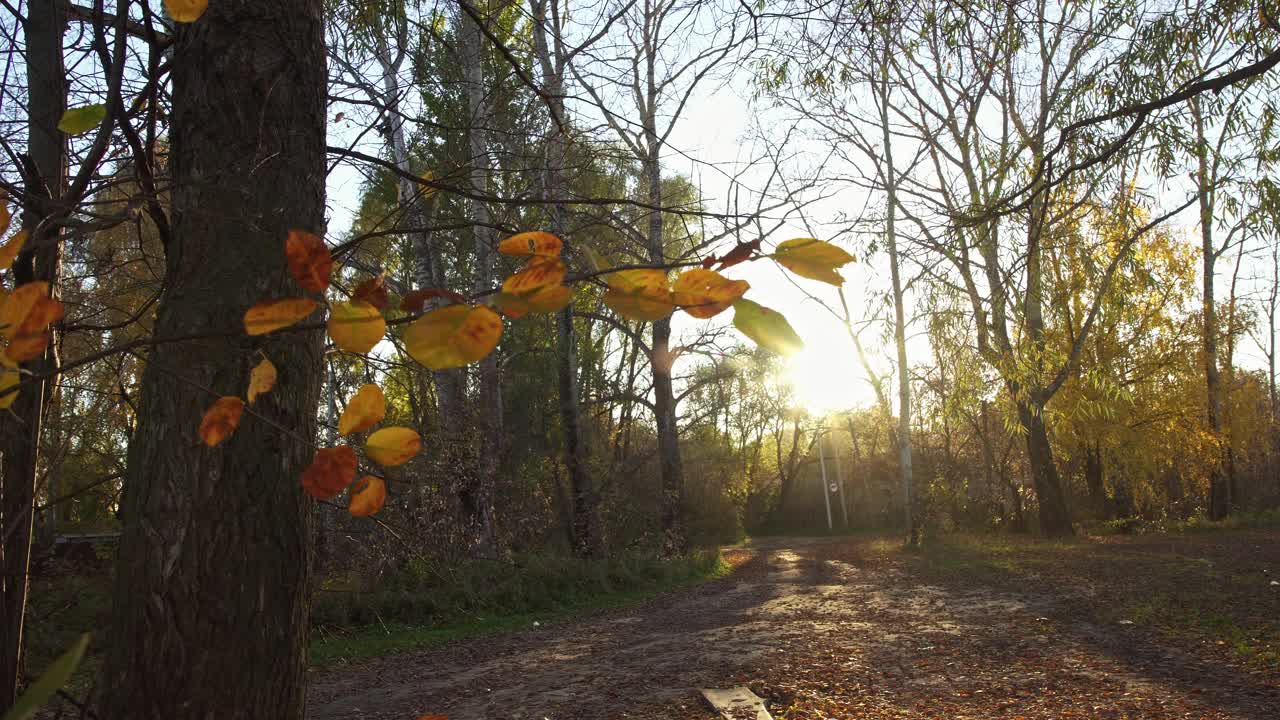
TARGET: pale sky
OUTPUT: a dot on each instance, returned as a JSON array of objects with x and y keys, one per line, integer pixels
[{"x": 717, "y": 130}]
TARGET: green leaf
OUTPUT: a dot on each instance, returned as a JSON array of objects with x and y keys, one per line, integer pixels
[
  {"x": 767, "y": 327},
  {"x": 79, "y": 120},
  {"x": 49, "y": 683}
]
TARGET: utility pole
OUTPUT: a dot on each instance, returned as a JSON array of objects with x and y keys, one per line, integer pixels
[
  {"x": 844, "y": 507},
  {"x": 826, "y": 489}
]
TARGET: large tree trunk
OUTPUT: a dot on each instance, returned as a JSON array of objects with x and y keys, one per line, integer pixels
[
  {"x": 211, "y": 602},
  {"x": 41, "y": 259},
  {"x": 478, "y": 497},
  {"x": 1055, "y": 519}
]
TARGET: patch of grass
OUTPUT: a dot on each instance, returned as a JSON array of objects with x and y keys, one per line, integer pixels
[
  {"x": 815, "y": 531},
  {"x": 1186, "y": 586},
  {"x": 542, "y": 590},
  {"x": 1257, "y": 520},
  {"x": 64, "y": 602}
]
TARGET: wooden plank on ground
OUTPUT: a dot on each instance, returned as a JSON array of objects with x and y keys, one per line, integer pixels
[{"x": 737, "y": 703}]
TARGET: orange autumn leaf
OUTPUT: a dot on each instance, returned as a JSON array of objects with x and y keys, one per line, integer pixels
[
  {"x": 309, "y": 260},
  {"x": 261, "y": 379},
  {"x": 186, "y": 11},
  {"x": 4, "y": 213},
  {"x": 271, "y": 315},
  {"x": 538, "y": 273},
  {"x": 453, "y": 336},
  {"x": 368, "y": 495},
  {"x": 531, "y": 243},
  {"x": 330, "y": 472},
  {"x": 25, "y": 318},
  {"x": 220, "y": 420},
  {"x": 739, "y": 254},
  {"x": 392, "y": 446},
  {"x": 18, "y": 304},
  {"x": 706, "y": 293},
  {"x": 356, "y": 326},
  {"x": 33, "y": 334},
  {"x": 10, "y": 249},
  {"x": 373, "y": 291},
  {"x": 364, "y": 410},
  {"x": 639, "y": 294},
  {"x": 415, "y": 301}
]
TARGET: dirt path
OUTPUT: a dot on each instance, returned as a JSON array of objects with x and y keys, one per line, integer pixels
[{"x": 823, "y": 629}]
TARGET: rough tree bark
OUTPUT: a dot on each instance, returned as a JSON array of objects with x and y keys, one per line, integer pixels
[
  {"x": 41, "y": 260},
  {"x": 211, "y": 606}
]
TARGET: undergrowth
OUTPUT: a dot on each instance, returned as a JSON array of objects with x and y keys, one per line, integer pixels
[{"x": 419, "y": 607}]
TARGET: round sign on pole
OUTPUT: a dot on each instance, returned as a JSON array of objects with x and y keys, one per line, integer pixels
[{"x": 834, "y": 487}]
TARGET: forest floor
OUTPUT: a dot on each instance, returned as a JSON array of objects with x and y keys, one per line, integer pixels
[{"x": 1171, "y": 626}]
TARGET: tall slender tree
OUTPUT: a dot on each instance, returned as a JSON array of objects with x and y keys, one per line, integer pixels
[{"x": 45, "y": 180}]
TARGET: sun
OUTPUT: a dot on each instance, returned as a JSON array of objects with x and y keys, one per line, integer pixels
[{"x": 826, "y": 378}]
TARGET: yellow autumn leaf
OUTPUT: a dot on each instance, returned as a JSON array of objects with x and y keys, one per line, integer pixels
[
  {"x": 531, "y": 243},
  {"x": 10, "y": 249},
  {"x": 364, "y": 410},
  {"x": 220, "y": 420},
  {"x": 549, "y": 299},
  {"x": 368, "y": 494},
  {"x": 639, "y": 294},
  {"x": 80, "y": 120},
  {"x": 538, "y": 273},
  {"x": 9, "y": 377},
  {"x": 427, "y": 180},
  {"x": 513, "y": 306},
  {"x": 812, "y": 258},
  {"x": 270, "y": 315},
  {"x": 186, "y": 11},
  {"x": 453, "y": 336},
  {"x": 261, "y": 379},
  {"x": 392, "y": 446},
  {"x": 706, "y": 293},
  {"x": 544, "y": 300},
  {"x": 356, "y": 326}
]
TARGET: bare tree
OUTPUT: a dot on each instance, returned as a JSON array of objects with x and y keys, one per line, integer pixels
[{"x": 654, "y": 69}]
